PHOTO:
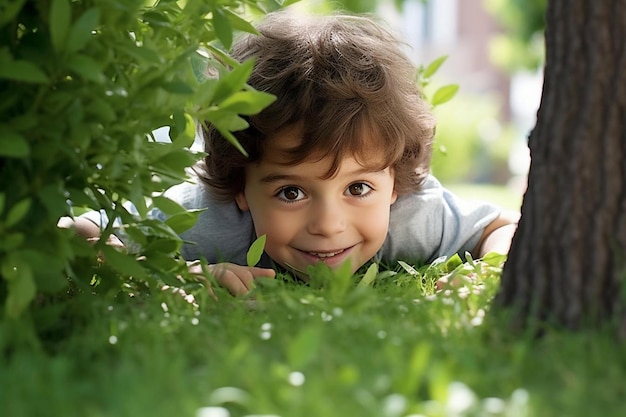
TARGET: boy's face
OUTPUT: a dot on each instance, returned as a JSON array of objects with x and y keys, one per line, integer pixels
[{"x": 309, "y": 219}]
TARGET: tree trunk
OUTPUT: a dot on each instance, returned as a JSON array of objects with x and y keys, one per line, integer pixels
[{"x": 567, "y": 264}]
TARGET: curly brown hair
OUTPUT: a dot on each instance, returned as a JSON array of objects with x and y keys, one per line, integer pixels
[{"x": 345, "y": 80}]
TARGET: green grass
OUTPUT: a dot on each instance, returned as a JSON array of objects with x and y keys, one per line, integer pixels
[
  {"x": 334, "y": 348},
  {"x": 500, "y": 195}
]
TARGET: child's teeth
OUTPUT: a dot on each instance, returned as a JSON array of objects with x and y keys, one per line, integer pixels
[{"x": 325, "y": 254}]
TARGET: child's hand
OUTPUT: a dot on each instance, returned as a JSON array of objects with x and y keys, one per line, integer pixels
[
  {"x": 454, "y": 281},
  {"x": 112, "y": 240},
  {"x": 237, "y": 279}
]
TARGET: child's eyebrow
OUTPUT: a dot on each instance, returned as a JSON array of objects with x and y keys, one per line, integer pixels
[
  {"x": 270, "y": 178},
  {"x": 279, "y": 177}
]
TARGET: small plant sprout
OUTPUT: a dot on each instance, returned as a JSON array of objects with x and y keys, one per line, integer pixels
[
  {"x": 442, "y": 94},
  {"x": 256, "y": 251},
  {"x": 369, "y": 277}
]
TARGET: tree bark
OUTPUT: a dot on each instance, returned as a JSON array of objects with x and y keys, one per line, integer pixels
[{"x": 567, "y": 264}]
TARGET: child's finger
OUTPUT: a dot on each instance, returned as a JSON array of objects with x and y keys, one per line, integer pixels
[
  {"x": 262, "y": 272},
  {"x": 236, "y": 284},
  {"x": 237, "y": 279}
]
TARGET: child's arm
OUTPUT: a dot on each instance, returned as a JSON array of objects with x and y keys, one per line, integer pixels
[
  {"x": 237, "y": 279},
  {"x": 87, "y": 229},
  {"x": 497, "y": 235},
  {"x": 84, "y": 227}
]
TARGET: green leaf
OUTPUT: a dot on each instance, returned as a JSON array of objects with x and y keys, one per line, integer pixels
[
  {"x": 157, "y": 19},
  {"x": 222, "y": 27},
  {"x": 494, "y": 259},
  {"x": 233, "y": 141},
  {"x": 433, "y": 67},
  {"x": 10, "y": 9},
  {"x": 82, "y": 198},
  {"x": 177, "y": 87},
  {"x": 21, "y": 286},
  {"x": 21, "y": 293},
  {"x": 240, "y": 24},
  {"x": 182, "y": 221},
  {"x": 199, "y": 66},
  {"x": 19, "y": 70},
  {"x": 176, "y": 160},
  {"x": 154, "y": 228},
  {"x": 136, "y": 196},
  {"x": 86, "y": 67},
  {"x": 11, "y": 241},
  {"x": 53, "y": 198},
  {"x": 233, "y": 81},
  {"x": 162, "y": 247},
  {"x": 256, "y": 251},
  {"x": 47, "y": 269},
  {"x": 60, "y": 15},
  {"x": 2, "y": 201},
  {"x": 143, "y": 53},
  {"x": 453, "y": 262},
  {"x": 444, "y": 94},
  {"x": 187, "y": 134},
  {"x": 247, "y": 102},
  {"x": 221, "y": 56},
  {"x": 408, "y": 268},
  {"x": 369, "y": 277},
  {"x": 226, "y": 120},
  {"x": 101, "y": 109},
  {"x": 17, "y": 212},
  {"x": 286, "y": 3},
  {"x": 80, "y": 33},
  {"x": 137, "y": 234},
  {"x": 158, "y": 261},
  {"x": 179, "y": 129},
  {"x": 126, "y": 265},
  {"x": 13, "y": 145},
  {"x": 167, "y": 205}
]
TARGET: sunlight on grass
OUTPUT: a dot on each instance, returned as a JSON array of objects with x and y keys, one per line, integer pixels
[{"x": 380, "y": 343}]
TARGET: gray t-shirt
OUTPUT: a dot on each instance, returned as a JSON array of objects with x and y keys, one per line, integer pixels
[{"x": 423, "y": 226}]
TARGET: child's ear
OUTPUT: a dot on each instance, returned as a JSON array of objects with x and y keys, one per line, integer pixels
[
  {"x": 394, "y": 196},
  {"x": 242, "y": 202}
]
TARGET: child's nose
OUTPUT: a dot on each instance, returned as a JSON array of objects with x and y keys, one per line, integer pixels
[{"x": 326, "y": 218}]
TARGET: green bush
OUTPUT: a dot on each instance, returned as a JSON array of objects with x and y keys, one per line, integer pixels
[{"x": 83, "y": 84}]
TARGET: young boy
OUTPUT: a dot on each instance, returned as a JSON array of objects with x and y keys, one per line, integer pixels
[{"x": 338, "y": 165}]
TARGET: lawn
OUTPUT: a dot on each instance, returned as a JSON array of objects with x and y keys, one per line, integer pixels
[{"x": 389, "y": 346}]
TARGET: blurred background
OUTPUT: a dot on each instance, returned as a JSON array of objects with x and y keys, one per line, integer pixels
[{"x": 494, "y": 52}]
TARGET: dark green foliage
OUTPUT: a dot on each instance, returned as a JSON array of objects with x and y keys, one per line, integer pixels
[{"x": 83, "y": 84}]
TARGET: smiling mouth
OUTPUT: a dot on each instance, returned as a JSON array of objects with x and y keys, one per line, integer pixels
[
  {"x": 331, "y": 258},
  {"x": 328, "y": 255},
  {"x": 323, "y": 255}
]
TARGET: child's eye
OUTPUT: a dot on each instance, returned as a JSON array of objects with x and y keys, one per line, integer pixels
[
  {"x": 290, "y": 194},
  {"x": 359, "y": 189}
]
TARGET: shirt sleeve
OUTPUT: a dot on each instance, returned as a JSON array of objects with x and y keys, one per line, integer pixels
[
  {"x": 223, "y": 233},
  {"x": 434, "y": 222}
]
